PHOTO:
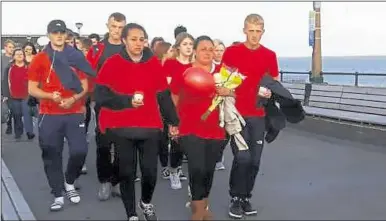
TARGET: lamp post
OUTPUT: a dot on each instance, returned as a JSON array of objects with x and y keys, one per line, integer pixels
[
  {"x": 79, "y": 25},
  {"x": 317, "y": 47}
]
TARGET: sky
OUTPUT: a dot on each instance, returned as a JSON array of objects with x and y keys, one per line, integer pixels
[{"x": 348, "y": 28}]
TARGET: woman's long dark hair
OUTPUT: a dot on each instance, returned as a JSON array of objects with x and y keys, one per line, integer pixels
[{"x": 34, "y": 51}]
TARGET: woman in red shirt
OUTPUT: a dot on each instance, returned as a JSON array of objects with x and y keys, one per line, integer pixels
[
  {"x": 133, "y": 93},
  {"x": 201, "y": 140},
  {"x": 174, "y": 68},
  {"x": 15, "y": 90}
]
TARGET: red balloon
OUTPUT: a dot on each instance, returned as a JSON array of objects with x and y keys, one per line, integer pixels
[{"x": 198, "y": 82}]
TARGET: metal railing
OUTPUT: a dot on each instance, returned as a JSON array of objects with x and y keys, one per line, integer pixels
[{"x": 356, "y": 75}]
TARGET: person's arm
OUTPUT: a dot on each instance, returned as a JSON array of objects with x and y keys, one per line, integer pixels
[
  {"x": 34, "y": 79},
  {"x": 84, "y": 82},
  {"x": 167, "y": 108},
  {"x": 273, "y": 67},
  {"x": 5, "y": 83},
  {"x": 104, "y": 95},
  {"x": 165, "y": 101},
  {"x": 35, "y": 91}
]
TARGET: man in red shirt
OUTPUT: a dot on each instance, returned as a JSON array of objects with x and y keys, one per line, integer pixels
[
  {"x": 97, "y": 55},
  {"x": 254, "y": 61},
  {"x": 55, "y": 77}
]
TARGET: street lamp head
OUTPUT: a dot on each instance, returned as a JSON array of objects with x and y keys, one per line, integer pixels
[
  {"x": 79, "y": 25},
  {"x": 317, "y": 5}
]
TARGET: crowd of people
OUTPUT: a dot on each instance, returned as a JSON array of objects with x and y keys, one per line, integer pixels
[{"x": 146, "y": 108}]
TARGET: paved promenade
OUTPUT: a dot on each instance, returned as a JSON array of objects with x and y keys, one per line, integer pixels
[{"x": 315, "y": 170}]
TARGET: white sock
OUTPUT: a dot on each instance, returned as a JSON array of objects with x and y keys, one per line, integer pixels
[
  {"x": 59, "y": 200},
  {"x": 69, "y": 187}
]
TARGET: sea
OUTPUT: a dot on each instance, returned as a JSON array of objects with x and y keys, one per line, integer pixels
[{"x": 368, "y": 65}]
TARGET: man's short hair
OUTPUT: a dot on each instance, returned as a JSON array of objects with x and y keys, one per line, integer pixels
[
  {"x": 155, "y": 39},
  {"x": 179, "y": 29},
  {"x": 255, "y": 19},
  {"x": 86, "y": 43},
  {"x": 117, "y": 16},
  {"x": 9, "y": 41},
  {"x": 70, "y": 34}
]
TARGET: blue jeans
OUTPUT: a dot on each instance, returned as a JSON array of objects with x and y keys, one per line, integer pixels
[{"x": 22, "y": 116}]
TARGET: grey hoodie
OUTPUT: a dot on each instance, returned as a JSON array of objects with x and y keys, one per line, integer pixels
[{"x": 4, "y": 63}]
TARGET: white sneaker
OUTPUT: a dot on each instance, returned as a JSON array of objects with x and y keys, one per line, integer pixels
[
  {"x": 175, "y": 182},
  {"x": 220, "y": 166},
  {"x": 57, "y": 204},
  {"x": 84, "y": 169},
  {"x": 71, "y": 193}
]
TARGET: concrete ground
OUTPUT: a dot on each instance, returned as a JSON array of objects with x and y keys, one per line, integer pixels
[{"x": 316, "y": 170}]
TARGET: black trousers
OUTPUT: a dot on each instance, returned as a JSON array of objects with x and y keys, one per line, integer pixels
[
  {"x": 88, "y": 113},
  {"x": 127, "y": 150},
  {"x": 219, "y": 159},
  {"x": 176, "y": 153},
  {"x": 107, "y": 171},
  {"x": 246, "y": 164},
  {"x": 202, "y": 156},
  {"x": 52, "y": 131}
]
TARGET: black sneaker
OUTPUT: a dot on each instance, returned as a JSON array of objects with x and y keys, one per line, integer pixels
[
  {"x": 8, "y": 130},
  {"x": 148, "y": 211},
  {"x": 30, "y": 136},
  {"x": 235, "y": 209},
  {"x": 247, "y": 207},
  {"x": 165, "y": 173}
]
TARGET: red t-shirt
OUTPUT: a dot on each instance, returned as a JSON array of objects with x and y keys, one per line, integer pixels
[
  {"x": 190, "y": 112},
  {"x": 40, "y": 71},
  {"x": 173, "y": 67},
  {"x": 254, "y": 64},
  {"x": 18, "y": 82},
  {"x": 125, "y": 78}
]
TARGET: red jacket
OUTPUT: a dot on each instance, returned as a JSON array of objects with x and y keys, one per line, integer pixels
[{"x": 93, "y": 56}]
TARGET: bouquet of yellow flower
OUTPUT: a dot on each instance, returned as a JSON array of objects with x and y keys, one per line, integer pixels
[{"x": 228, "y": 78}]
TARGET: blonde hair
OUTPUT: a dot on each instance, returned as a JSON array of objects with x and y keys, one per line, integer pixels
[
  {"x": 255, "y": 19},
  {"x": 218, "y": 42},
  {"x": 9, "y": 41},
  {"x": 179, "y": 39}
]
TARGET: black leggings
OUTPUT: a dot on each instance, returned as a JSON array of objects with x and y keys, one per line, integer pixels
[
  {"x": 127, "y": 152},
  {"x": 202, "y": 156},
  {"x": 176, "y": 152}
]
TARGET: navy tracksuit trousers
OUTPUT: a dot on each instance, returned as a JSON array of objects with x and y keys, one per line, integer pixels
[{"x": 52, "y": 131}]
